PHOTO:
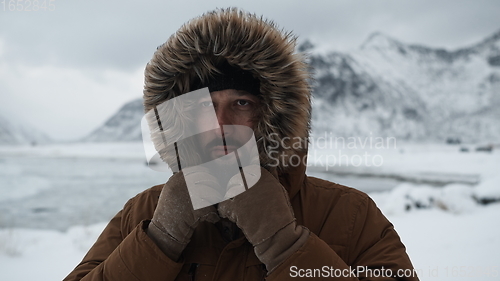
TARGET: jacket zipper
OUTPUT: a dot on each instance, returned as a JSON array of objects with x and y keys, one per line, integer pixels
[{"x": 192, "y": 271}]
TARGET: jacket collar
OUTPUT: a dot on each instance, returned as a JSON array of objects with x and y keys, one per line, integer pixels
[{"x": 294, "y": 176}]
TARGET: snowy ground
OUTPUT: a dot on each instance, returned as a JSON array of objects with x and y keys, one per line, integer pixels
[{"x": 55, "y": 200}]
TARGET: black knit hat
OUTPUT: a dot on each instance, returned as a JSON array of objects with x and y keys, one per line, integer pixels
[{"x": 233, "y": 78}]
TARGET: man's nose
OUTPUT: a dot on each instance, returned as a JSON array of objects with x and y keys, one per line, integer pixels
[{"x": 224, "y": 116}]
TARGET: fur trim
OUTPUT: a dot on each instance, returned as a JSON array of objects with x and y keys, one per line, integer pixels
[{"x": 253, "y": 44}]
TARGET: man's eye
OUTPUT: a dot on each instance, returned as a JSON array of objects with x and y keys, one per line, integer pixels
[{"x": 242, "y": 102}]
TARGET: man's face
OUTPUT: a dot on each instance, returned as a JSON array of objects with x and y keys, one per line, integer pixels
[{"x": 232, "y": 107}]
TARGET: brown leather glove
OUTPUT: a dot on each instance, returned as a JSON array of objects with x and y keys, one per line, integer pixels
[
  {"x": 174, "y": 219},
  {"x": 265, "y": 216}
]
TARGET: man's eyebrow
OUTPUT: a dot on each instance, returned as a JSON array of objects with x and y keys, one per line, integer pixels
[{"x": 240, "y": 93}]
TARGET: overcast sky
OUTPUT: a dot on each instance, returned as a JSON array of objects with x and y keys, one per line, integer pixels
[{"x": 66, "y": 71}]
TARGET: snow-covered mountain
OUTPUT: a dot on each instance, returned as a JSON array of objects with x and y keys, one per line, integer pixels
[
  {"x": 12, "y": 132},
  {"x": 125, "y": 125},
  {"x": 387, "y": 88}
]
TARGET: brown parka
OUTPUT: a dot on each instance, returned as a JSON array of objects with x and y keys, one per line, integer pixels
[{"x": 348, "y": 231}]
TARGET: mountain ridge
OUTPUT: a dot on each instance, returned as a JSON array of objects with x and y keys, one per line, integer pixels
[
  {"x": 388, "y": 88},
  {"x": 13, "y": 133}
]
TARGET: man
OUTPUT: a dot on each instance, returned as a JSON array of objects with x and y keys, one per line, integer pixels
[{"x": 285, "y": 224}]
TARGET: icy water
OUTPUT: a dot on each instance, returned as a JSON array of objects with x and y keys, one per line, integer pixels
[
  {"x": 366, "y": 184},
  {"x": 58, "y": 192},
  {"x": 40, "y": 192}
]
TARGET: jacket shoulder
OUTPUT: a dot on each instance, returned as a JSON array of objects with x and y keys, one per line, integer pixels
[
  {"x": 330, "y": 210},
  {"x": 328, "y": 188},
  {"x": 346, "y": 219}
]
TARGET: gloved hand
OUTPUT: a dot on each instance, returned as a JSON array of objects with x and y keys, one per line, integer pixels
[
  {"x": 265, "y": 216},
  {"x": 174, "y": 219}
]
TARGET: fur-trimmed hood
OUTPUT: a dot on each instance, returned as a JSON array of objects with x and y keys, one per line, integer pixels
[{"x": 252, "y": 44}]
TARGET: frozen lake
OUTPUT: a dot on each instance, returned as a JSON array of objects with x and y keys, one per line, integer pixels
[
  {"x": 42, "y": 192},
  {"x": 58, "y": 186},
  {"x": 56, "y": 193}
]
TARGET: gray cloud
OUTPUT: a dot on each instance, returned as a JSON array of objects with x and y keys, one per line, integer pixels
[
  {"x": 81, "y": 41},
  {"x": 124, "y": 34}
]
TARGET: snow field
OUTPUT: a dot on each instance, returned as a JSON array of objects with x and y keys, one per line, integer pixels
[{"x": 447, "y": 233}]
